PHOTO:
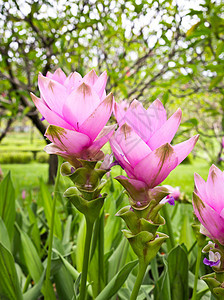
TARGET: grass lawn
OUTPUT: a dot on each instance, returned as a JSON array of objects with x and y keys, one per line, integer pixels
[{"x": 26, "y": 176}]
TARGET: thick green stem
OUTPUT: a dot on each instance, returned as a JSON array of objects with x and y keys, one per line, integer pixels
[
  {"x": 101, "y": 252},
  {"x": 89, "y": 231},
  {"x": 48, "y": 270},
  {"x": 141, "y": 272},
  {"x": 196, "y": 273},
  {"x": 169, "y": 227}
]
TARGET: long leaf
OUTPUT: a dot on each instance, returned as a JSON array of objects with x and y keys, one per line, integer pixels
[
  {"x": 178, "y": 273},
  {"x": 116, "y": 283},
  {"x": 7, "y": 204},
  {"x": 47, "y": 204},
  {"x": 9, "y": 283}
]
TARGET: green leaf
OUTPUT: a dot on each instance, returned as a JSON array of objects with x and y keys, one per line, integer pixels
[
  {"x": 9, "y": 283},
  {"x": 31, "y": 257},
  {"x": 7, "y": 204},
  {"x": 64, "y": 283},
  {"x": 34, "y": 292},
  {"x": 116, "y": 283},
  {"x": 178, "y": 273},
  {"x": 48, "y": 206},
  {"x": 4, "y": 237},
  {"x": 162, "y": 286}
]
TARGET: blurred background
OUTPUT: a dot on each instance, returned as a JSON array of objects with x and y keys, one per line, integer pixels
[{"x": 171, "y": 50}]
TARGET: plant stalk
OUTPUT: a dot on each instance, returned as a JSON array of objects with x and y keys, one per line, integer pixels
[
  {"x": 196, "y": 273},
  {"x": 48, "y": 270},
  {"x": 169, "y": 226},
  {"x": 141, "y": 272},
  {"x": 89, "y": 231}
]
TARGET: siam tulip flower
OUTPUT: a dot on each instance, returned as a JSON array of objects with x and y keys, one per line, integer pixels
[
  {"x": 77, "y": 109},
  {"x": 208, "y": 203},
  {"x": 142, "y": 147}
]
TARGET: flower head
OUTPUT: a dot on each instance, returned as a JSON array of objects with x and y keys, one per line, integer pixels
[
  {"x": 208, "y": 203},
  {"x": 142, "y": 144},
  {"x": 77, "y": 109}
]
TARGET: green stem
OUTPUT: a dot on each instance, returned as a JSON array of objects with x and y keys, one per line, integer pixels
[
  {"x": 141, "y": 272},
  {"x": 89, "y": 230},
  {"x": 101, "y": 252},
  {"x": 196, "y": 273},
  {"x": 169, "y": 226},
  {"x": 48, "y": 270}
]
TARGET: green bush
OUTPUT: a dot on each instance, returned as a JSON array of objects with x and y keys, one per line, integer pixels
[
  {"x": 16, "y": 157},
  {"x": 42, "y": 157}
]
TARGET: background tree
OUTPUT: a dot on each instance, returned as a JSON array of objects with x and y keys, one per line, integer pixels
[{"x": 150, "y": 49}]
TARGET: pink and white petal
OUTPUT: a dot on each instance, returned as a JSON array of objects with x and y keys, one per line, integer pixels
[
  {"x": 52, "y": 117},
  {"x": 98, "y": 119},
  {"x": 200, "y": 187},
  {"x": 157, "y": 114},
  {"x": 183, "y": 149},
  {"x": 215, "y": 189},
  {"x": 134, "y": 148},
  {"x": 155, "y": 167},
  {"x": 59, "y": 76},
  {"x": 137, "y": 117},
  {"x": 101, "y": 140},
  {"x": 49, "y": 75},
  {"x": 100, "y": 84},
  {"x": 90, "y": 78},
  {"x": 71, "y": 141},
  {"x": 54, "y": 93},
  {"x": 120, "y": 157},
  {"x": 73, "y": 81},
  {"x": 166, "y": 132},
  {"x": 209, "y": 218},
  {"x": 80, "y": 104},
  {"x": 53, "y": 149}
]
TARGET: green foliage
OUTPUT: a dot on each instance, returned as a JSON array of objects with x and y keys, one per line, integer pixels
[
  {"x": 16, "y": 158},
  {"x": 42, "y": 157}
]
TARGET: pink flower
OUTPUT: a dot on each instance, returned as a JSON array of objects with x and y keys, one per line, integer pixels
[
  {"x": 208, "y": 203},
  {"x": 77, "y": 109},
  {"x": 142, "y": 146}
]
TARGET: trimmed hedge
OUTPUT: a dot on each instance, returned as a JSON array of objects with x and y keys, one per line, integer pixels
[
  {"x": 42, "y": 157},
  {"x": 16, "y": 157}
]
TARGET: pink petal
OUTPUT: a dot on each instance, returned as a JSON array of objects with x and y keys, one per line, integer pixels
[
  {"x": 80, "y": 104},
  {"x": 98, "y": 119},
  {"x": 71, "y": 141},
  {"x": 155, "y": 167},
  {"x": 100, "y": 84},
  {"x": 101, "y": 140},
  {"x": 54, "y": 93},
  {"x": 183, "y": 149},
  {"x": 137, "y": 117},
  {"x": 59, "y": 76},
  {"x": 209, "y": 218},
  {"x": 200, "y": 187},
  {"x": 119, "y": 113},
  {"x": 215, "y": 189},
  {"x": 120, "y": 157},
  {"x": 166, "y": 132},
  {"x": 157, "y": 114},
  {"x": 134, "y": 148},
  {"x": 90, "y": 78},
  {"x": 73, "y": 81},
  {"x": 52, "y": 117}
]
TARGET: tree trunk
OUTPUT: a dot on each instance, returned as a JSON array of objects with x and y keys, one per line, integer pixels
[{"x": 52, "y": 171}]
